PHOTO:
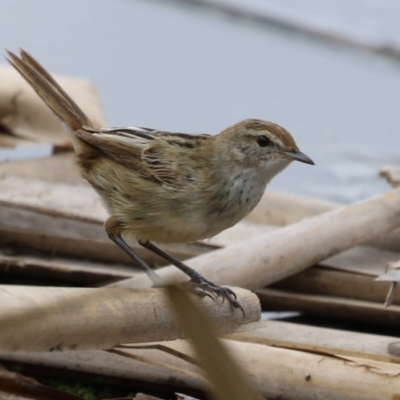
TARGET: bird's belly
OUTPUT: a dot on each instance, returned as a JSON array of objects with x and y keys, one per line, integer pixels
[
  {"x": 193, "y": 224},
  {"x": 185, "y": 224},
  {"x": 185, "y": 216}
]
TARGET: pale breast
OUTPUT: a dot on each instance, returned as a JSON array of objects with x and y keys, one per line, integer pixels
[{"x": 235, "y": 200}]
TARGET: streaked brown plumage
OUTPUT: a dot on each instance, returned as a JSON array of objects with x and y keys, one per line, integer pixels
[{"x": 169, "y": 187}]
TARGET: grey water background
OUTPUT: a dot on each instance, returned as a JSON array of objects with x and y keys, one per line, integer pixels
[{"x": 179, "y": 67}]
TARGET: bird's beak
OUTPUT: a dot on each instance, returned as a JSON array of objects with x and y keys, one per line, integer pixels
[{"x": 298, "y": 156}]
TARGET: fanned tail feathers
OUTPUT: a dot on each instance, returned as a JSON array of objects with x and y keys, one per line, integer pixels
[{"x": 53, "y": 95}]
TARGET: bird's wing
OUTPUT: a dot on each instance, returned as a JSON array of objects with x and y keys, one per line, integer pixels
[
  {"x": 155, "y": 155},
  {"x": 124, "y": 145}
]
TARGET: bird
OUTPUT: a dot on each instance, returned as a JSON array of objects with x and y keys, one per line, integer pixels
[{"x": 168, "y": 187}]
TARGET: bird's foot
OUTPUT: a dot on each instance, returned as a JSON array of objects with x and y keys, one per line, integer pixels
[{"x": 203, "y": 288}]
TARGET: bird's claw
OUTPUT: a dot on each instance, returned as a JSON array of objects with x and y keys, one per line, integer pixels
[{"x": 203, "y": 288}]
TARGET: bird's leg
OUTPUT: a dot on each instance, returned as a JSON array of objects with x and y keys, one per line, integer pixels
[
  {"x": 195, "y": 278},
  {"x": 117, "y": 239}
]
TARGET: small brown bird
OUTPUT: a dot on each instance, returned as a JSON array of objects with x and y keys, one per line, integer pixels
[{"x": 169, "y": 187}]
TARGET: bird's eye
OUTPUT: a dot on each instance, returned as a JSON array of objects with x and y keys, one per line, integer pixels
[{"x": 263, "y": 141}]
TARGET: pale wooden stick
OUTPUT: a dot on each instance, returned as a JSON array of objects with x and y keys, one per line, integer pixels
[
  {"x": 69, "y": 271},
  {"x": 326, "y": 282},
  {"x": 23, "y": 113},
  {"x": 334, "y": 307},
  {"x": 351, "y": 274},
  {"x": 48, "y": 319},
  {"x": 321, "y": 340},
  {"x": 279, "y": 208},
  {"x": 392, "y": 174},
  {"x": 59, "y": 167},
  {"x": 273, "y": 372},
  {"x": 365, "y": 260},
  {"x": 60, "y": 233},
  {"x": 268, "y": 258}
]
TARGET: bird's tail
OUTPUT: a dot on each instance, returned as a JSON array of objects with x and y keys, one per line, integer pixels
[{"x": 53, "y": 95}]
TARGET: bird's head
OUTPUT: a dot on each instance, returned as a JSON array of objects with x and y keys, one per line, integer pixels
[{"x": 253, "y": 143}]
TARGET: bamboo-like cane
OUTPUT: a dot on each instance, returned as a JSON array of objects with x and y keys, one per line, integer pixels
[
  {"x": 56, "y": 319},
  {"x": 273, "y": 372}
]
